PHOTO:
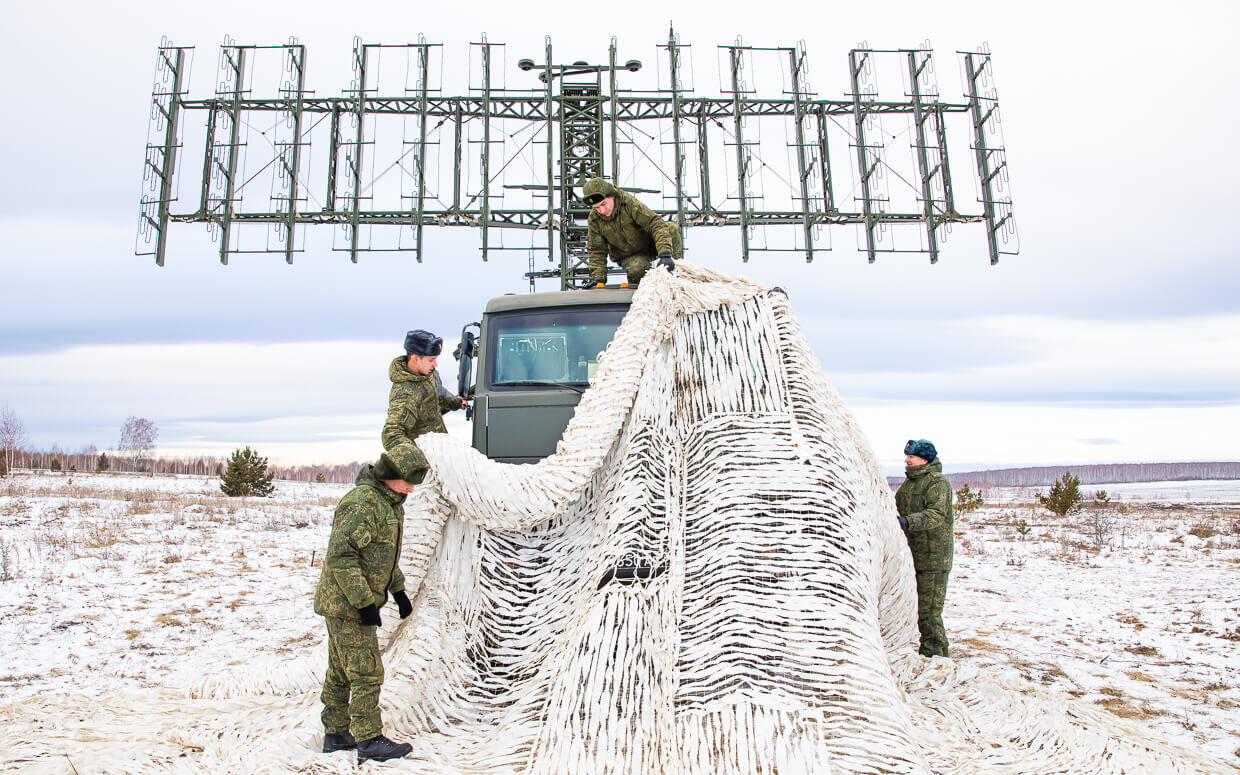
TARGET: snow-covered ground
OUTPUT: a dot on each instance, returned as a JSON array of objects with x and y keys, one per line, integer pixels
[
  {"x": 113, "y": 582},
  {"x": 1134, "y": 607}
]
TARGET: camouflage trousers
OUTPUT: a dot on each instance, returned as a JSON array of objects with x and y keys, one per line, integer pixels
[
  {"x": 636, "y": 266},
  {"x": 931, "y": 594},
  {"x": 354, "y": 676}
]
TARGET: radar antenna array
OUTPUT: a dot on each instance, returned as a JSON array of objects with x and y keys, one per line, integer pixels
[{"x": 518, "y": 156}]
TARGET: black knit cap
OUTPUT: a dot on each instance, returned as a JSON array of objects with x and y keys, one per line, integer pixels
[{"x": 419, "y": 342}]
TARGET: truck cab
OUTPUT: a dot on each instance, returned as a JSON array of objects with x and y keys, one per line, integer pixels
[{"x": 535, "y": 355}]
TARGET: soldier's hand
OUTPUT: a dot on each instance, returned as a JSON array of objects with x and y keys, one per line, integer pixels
[
  {"x": 402, "y": 603},
  {"x": 370, "y": 616},
  {"x": 903, "y": 522},
  {"x": 665, "y": 260}
]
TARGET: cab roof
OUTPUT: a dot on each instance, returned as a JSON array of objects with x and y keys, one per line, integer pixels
[{"x": 545, "y": 299}]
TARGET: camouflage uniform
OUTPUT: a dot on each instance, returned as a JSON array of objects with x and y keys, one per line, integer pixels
[
  {"x": 631, "y": 237},
  {"x": 925, "y": 500},
  {"x": 359, "y": 569},
  {"x": 416, "y": 405}
]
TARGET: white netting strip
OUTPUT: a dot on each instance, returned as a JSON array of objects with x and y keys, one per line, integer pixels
[{"x": 775, "y": 633}]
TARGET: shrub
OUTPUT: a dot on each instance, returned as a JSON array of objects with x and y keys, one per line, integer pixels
[
  {"x": 967, "y": 500},
  {"x": 246, "y": 474},
  {"x": 1064, "y": 497}
]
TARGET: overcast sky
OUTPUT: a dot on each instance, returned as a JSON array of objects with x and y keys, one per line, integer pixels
[{"x": 1113, "y": 336}]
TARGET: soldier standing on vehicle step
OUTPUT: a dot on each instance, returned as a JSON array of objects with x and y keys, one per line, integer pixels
[
  {"x": 924, "y": 502},
  {"x": 417, "y": 401}
]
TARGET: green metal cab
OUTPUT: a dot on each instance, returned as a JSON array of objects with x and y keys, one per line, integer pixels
[{"x": 535, "y": 355}]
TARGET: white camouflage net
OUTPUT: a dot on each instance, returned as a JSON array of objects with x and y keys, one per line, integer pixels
[{"x": 780, "y": 638}]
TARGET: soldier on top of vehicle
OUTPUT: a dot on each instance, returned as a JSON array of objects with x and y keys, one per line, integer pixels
[{"x": 626, "y": 231}]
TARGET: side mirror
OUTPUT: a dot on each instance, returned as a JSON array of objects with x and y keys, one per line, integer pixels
[{"x": 465, "y": 353}]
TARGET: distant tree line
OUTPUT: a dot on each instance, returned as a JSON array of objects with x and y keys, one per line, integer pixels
[
  {"x": 1108, "y": 473},
  {"x": 340, "y": 473},
  {"x": 92, "y": 460},
  {"x": 135, "y": 453}
]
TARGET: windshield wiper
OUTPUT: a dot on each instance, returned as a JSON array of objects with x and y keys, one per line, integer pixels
[{"x": 542, "y": 383}]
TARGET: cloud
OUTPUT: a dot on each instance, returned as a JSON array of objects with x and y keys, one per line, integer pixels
[
  {"x": 1121, "y": 301},
  {"x": 214, "y": 396},
  {"x": 1061, "y": 361},
  {"x": 972, "y": 435}
]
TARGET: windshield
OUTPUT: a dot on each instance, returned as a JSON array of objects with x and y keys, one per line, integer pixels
[{"x": 560, "y": 345}]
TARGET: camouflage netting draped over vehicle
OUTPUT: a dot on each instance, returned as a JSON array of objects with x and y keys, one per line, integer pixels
[{"x": 775, "y": 633}]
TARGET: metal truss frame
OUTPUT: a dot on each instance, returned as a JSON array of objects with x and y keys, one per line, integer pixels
[{"x": 578, "y": 109}]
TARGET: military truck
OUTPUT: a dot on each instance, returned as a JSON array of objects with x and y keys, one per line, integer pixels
[{"x": 531, "y": 359}]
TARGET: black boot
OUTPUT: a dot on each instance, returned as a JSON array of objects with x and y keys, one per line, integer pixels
[
  {"x": 338, "y": 741},
  {"x": 380, "y": 749}
]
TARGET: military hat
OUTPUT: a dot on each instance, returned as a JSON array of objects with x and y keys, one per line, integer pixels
[
  {"x": 921, "y": 448},
  {"x": 409, "y": 466},
  {"x": 596, "y": 190},
  {"x": 419, "y": 342}
]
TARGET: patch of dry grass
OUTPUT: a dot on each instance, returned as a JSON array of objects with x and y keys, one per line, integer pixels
[
  {"x": 1052, "y": 675},
  {"x": 1136, "y": 623},
  {"x": 1125, "y": 709}
]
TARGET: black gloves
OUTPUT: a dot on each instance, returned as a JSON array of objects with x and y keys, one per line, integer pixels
[
  {"x": 903, "y": 523},
  {"x": 370, "y": 616},
  {"x": 665, "y": 260},
  {"x": 402, "y": 603}
]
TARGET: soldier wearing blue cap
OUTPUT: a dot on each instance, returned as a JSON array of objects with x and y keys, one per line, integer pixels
[
  {"x": 924, "y": 503},
  {"x": 417, "y": 401}
]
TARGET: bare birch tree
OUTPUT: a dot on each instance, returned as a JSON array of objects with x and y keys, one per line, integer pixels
[
  {"x": 138, "y": 436},
  {"x": 12, "y": 435}
]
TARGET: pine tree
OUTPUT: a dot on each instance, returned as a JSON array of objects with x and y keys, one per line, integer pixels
[
  {"x": 103, "y": 464},
  {"x": 4, "y": 467},
  {"x": 246, "y": 474},
  {"x": 1065, "y": 495},
  {"x": 967, "y": 500},
  {"x": 55, "y": 466}
]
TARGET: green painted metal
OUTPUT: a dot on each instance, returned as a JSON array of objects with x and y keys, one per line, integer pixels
[
  {"x": 991, "y": 162},
  {"x": 160, "y": 165},
  {"x": 292, "y": 166},
  {"x": 584, "y": 120}
]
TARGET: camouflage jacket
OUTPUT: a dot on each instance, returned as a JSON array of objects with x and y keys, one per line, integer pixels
[
  {"x": 362, "y": 561},
  {"x": 633, "y": 229},
  {"x": 925, "y": 500},
  {"x": 416, "y": 405}
]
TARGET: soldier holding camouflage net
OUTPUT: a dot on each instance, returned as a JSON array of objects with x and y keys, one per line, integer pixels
[
  {"x": 624, "y": 229},
  {"x": 924, "y": 502},
  {"x": 417, "y": 401},
  {"x": 361, "y": 566}
]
